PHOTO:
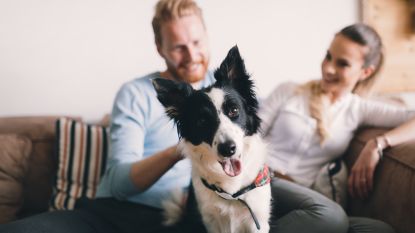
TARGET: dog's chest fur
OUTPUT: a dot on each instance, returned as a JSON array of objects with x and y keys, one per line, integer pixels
[{"x": 230, "y": 216}]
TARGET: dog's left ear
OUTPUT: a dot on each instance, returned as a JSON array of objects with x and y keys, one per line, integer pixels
[
  {"x": 232, "y": 72},
  {"x": 171, "y": 95},
  {"x": 232, "y": 68}
]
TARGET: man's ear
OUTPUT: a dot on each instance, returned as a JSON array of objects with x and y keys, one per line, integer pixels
[
  {"x": 367, "y": 72},
  {"x": 172, "y": 95},
  {"x": 159, "y": 49}
]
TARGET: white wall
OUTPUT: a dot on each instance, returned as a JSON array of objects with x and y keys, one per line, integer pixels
[{"x": 70, "y": 57}]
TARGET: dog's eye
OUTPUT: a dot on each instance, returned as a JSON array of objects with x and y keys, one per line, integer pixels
[{"x": 233, "y": 113}]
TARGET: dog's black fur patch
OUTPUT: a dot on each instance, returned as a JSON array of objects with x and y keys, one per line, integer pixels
[{"x": 193, "y": 111}]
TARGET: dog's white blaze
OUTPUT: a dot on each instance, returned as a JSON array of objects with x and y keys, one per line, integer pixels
[
  {"x": 217, "y": 97},
  {"x": 227, "y": 129}
]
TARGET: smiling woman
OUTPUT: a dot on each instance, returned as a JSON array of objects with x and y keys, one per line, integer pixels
[
  {"x": 310, "y": 125},
  {"x": 351, "y": 65}
]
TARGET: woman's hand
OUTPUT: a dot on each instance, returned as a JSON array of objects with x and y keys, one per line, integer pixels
[{"x": 360, "y": 181}]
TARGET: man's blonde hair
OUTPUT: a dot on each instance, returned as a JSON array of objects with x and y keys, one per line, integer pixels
[{"x": 168, "y": 10}]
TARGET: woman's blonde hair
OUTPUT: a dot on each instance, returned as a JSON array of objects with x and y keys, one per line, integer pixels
[
  {"x": 167, "y": 10},
  {"x": 318, "y": 102}
]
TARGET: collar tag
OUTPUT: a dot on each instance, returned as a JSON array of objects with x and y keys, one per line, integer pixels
[{"x": 226, "y": 196}]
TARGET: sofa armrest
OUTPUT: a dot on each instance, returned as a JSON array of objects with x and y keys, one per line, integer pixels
[
  {"x": 393, "y": 197},
  {"x": 40, "y": 130}
]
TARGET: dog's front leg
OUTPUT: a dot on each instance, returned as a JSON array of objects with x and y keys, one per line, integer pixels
[
  {"x": 263, "y": 220},
  {"x": 264, "y": 227},
  {"x": 252, "y": 228},
  {"x": 211, "y": 223}
]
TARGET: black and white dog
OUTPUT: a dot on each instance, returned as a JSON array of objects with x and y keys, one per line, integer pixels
[{"x": 219, "y": 128}]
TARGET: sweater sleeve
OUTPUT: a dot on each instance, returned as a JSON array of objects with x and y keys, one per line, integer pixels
[
  {"x": 127, "y": 140},
  {"x": 268, "y": 108},
  {"x": 380, "y": 114}
]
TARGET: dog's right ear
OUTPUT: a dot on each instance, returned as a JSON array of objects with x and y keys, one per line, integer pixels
[{"x": 172, "y": 95}]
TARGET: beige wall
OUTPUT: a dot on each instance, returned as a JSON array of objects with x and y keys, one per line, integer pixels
[
  {"x": 70, "y": 57},
  {"x": 392, "y": 19}
]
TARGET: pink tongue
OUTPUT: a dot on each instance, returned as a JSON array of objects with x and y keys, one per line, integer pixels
[{"x": 232, "y": 167}]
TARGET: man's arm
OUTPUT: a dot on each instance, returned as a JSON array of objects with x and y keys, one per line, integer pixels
[
  {"x": 146, "y": 172},
  {"x": 129, "y": 172}
]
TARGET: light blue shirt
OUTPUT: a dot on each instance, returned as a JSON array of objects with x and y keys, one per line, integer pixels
[{"x": 140, "y": 128}]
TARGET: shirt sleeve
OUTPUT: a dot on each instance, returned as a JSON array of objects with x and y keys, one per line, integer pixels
[
  {"x": 127, "y": 132},
  {"x": 268, "y": 108},
  {"x": 380, "y": 114}
]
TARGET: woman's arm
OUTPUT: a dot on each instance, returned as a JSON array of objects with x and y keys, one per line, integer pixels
[
  {"x": 361, "y": 178},
  {"x": 399, "y": 135}
]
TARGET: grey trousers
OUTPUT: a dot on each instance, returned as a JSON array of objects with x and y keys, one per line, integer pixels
[
  {"x": 295, "y": 209},
  {"x": 299, "y": 209}
]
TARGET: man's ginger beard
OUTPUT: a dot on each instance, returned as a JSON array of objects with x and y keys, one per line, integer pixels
[{"x": 182, "y": 76}]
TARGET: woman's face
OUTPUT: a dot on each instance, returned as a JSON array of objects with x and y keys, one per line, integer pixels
[{"x": 343, "y": 66}]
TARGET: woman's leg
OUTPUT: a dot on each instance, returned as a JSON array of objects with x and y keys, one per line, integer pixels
[
  {"x": 368, "y": 225},
  {"x": 300, "y": 209}
]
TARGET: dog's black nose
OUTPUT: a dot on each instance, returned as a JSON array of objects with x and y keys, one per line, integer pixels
[{"x": 227, "y": 149}]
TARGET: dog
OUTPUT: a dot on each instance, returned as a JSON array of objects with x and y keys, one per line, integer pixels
[{"x": 219, "y": 132}]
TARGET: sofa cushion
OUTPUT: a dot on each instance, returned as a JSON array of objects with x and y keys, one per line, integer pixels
[
  {"x": 82, "y": 152},
  {"x": 14, "y": 156}
]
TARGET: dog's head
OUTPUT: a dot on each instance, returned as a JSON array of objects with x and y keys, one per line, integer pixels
[{"x": 218, "y": 117}]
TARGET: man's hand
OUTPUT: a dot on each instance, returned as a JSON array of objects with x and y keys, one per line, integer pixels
[{"x": 174, "y": 153}]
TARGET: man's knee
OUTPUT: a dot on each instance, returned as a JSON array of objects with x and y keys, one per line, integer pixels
[{"x": 58, "y": 221}]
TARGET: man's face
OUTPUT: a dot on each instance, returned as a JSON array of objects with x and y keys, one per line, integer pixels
[{"x": 184, "y": 47}]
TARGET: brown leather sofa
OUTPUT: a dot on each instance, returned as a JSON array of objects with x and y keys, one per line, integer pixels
[
  {"x": 28, "y": 164},
  {"x": 393, "y": 197}
]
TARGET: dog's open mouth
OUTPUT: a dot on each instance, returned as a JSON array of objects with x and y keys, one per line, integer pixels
[{"x": 232, "y": 167}]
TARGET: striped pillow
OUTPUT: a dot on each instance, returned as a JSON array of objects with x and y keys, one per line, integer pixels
[{"x": 82, "y": 152}]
